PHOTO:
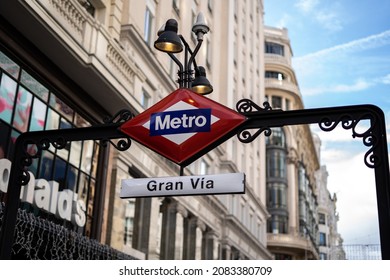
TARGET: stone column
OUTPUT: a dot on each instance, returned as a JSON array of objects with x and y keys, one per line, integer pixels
[
  {"x": 168, "y": 230},
  {"x": 226, "y": 252},
  {"x": 181, "y": 214},
  {"x": 142, "y": 225},
  {"x": 201, "y": 228},
  {"x": 189, "y": 244},
  {"x": 210, "y": 245}
]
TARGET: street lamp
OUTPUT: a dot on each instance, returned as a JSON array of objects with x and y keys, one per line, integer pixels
[{"x": 170, "y": 42}]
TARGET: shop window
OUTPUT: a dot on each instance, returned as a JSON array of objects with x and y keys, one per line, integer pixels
[{"x": 28, "y": 105}]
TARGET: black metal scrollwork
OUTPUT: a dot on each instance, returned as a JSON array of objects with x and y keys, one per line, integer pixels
[
  {"x": 33, "y": 148},
  {"x": 369, "y": 139},
  {"x": 245, "y": 106},
  {"x": 119, "y": 118}
]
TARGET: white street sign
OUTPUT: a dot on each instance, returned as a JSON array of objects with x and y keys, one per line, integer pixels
[{"x": 184, "y": 185}]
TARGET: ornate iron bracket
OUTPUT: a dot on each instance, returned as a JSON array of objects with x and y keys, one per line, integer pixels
[
  {"x": 348, "y": 121},
  {"x": 374, "y": 137},
  {"x": 326, "y": 123},
  {"x": 245, "y": 106}
]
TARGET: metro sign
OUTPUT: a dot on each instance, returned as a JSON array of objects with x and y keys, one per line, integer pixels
[{"x": 182, "y": 125}]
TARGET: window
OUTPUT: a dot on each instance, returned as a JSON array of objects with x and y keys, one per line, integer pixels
[
  {"x": 145, "y": 99},
  {"x": 274, "y": 75},
  {"x": 277, "y": 224},
  {"x": 204, "y": 167},
  {"x": 276, "y": 163},
  {"x": 277, "y": 138},
  {"x": 322, "y": 219},
  {"x": 276, "y": 102},
  {"x": 274, "y": 48},
  {"x": 288, "y": 104},
  {"x": 322, "y": 239},
  {"x": 129, "y": 221},
  {"x": 276, "y": 195},
  {"x": 283, "y": 257},
  {"x": 88, "y": 6},
  {"x": 148, "y": 26},
  {"x": 323, "y": 256}
]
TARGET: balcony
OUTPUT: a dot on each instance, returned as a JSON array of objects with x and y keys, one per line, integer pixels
[
  {"x": 296, "y": 244},
  {"x": 284, "y": 85},
  {"x": 270, "y": 58}
]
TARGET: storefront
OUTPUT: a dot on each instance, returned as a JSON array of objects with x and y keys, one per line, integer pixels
[{"x": 60, "y": 215}]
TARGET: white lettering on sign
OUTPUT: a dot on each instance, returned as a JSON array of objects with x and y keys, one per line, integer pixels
[
  {"x": 45, "y": 195},
  {"x": 184, "y": 185},
  {"x": 176, "y": 122},
  {"x": 180, "y": 121}
]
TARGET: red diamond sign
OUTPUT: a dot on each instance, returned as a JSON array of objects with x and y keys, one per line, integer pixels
[{"x": 182, "y": 125}]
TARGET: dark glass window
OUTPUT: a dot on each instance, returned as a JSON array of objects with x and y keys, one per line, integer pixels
[
  {"x": 277, "y": 195},
  {"x": 277, "y": 138},
  {"x": 322, "y": 219},
  {"x": 276, "y": 102},
  {"x": 276, "y": 163},
  {"x": 28, "y": 105},
  {"x": 275, "y": 75},
  {"x": 277, "y": 224},
  {"x": 322, "y": 239},
  {"x": 274, "y": 48}
]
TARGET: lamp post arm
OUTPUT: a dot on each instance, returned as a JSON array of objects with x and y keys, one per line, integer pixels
[
  {"x": 192, "y": 58},
  {"x": 181, "y": 68}
]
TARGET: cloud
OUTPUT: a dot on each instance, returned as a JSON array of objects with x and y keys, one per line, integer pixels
[
  {"x": 329, "y": 20},
  {"x": 358, "y": 85},
  {"x": 306, "y": 6},
  {"x": 386, "y": 79},
  {"x": 354, "y": 185},
  {"x": 283, "y": 21},
  {"x": 327, "y": 17},
  {"x": 369, "y": 42}
]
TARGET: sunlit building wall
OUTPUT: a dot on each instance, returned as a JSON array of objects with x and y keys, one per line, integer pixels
[{"x": 72, "y": 63}]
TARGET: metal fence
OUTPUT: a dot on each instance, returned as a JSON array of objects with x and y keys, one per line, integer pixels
[
  {"x": 363, "y": 252},
  {"x": 37, "y": 238}
]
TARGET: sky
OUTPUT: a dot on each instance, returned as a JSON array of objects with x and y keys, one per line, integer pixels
[{"x": 341, "y": 56}]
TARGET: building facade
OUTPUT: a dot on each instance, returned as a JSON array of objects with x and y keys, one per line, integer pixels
[
  {"x": 71, "y": 63},
  {"x": 291, "y": 161}
]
